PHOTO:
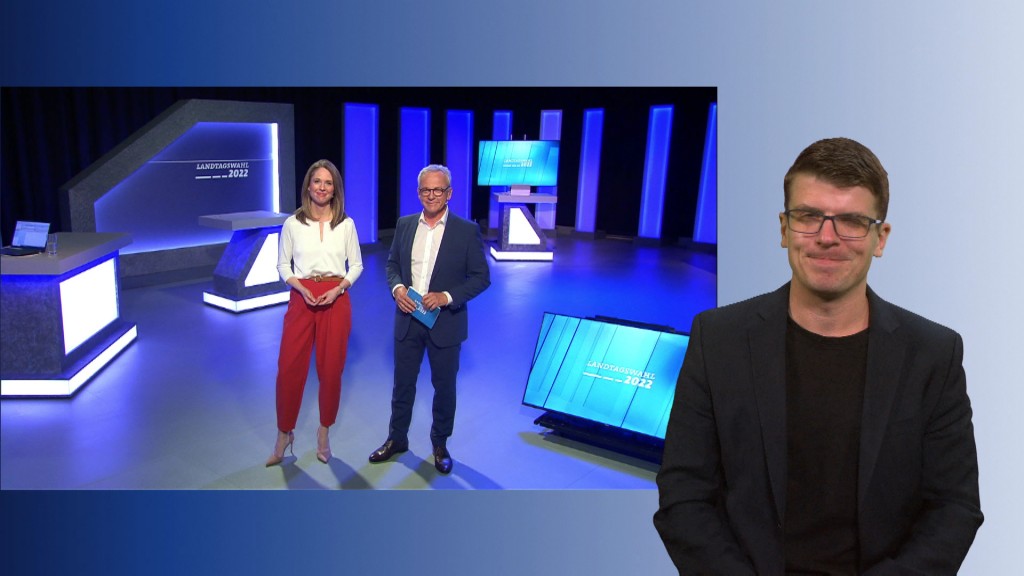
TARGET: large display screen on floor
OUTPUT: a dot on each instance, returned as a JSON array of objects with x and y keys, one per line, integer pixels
[
  {"x": 620, "y": 375},
  {"x": 518, "y": 162}
]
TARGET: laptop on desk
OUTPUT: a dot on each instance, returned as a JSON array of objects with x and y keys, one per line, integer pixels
[{"x": 29, "y": 238}]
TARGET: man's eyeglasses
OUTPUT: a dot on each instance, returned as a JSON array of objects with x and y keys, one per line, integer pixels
[
  {"x": 425, "y": 192},
  {"x": 846, "y": 225}
]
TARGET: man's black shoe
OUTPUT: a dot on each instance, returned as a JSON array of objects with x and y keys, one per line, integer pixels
[
  {"x": 385, "y": 452},
  {"x": 442, "y": 459}
]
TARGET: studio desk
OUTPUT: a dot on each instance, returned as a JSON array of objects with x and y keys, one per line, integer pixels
[{"x": 60, "y": 319}]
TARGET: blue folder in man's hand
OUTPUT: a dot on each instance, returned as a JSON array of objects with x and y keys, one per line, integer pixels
[{"x": 420, "y": 313}]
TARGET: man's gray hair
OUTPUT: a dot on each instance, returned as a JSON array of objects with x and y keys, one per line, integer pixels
[{"x": 435, "y": 168}]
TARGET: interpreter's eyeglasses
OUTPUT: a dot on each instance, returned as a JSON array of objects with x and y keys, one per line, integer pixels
[
  {"x": 850, "y": 226},
  {"x": 425, "y": 192}
]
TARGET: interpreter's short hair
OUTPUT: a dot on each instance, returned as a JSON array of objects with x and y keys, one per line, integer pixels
[{"x": 843, "y": 163}]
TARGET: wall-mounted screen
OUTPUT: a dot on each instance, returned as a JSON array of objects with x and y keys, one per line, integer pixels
[
  {"x": 619, "y": 375},
  {"x": 518, "y": 163}
]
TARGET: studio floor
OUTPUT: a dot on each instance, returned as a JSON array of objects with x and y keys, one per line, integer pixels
[{"x": 190, "y": 404}]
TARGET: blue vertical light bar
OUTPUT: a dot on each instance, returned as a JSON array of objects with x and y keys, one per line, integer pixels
[
  {"x": 275, "y": 186},
  {"x": 550, "y": 129},
  {"x": 415, "y": 154},
  {"x": 705, "y": 225},
  {"x": 360, "y": 170},
  {"x": 590, "y": 169},
  {"x": 502, "y": 130},
  {"x": 458, "y": 156},
  {"x": 652, "y": 195}
]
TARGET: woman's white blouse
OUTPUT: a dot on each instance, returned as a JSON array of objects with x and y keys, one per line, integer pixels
[{"x": 302, "y": 253}]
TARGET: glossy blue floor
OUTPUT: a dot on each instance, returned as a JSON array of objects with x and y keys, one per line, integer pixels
[{"x": 190, "y": 404}]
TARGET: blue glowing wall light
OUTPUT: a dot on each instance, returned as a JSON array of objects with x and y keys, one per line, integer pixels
[
  {"x": 590, "y": 169},
  {"x": 214, "y": 168},
  {"x": 705, "y": 226},
  {"x": 459, "y": 159},
  {"x": 551, "y": 124},
  {"x": 652, "y": 202},
  {"x": 550, "y": 129},
  {"x": 415, "y": 154},
  {"x": 360, "y": 169},
  {"x": 622, "y": 376},
  {"x": 501, "y": 130}
]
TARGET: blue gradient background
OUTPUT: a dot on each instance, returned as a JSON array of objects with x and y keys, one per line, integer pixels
[{"x": 935, "y": 88}]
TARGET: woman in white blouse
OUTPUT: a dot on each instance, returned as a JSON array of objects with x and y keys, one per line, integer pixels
[{"x": 316, "y": 243}]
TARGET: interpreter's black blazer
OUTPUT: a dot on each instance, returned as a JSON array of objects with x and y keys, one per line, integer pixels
[
  {"x": 722, "y": 484},
  {"x": 461, "y": 270}
]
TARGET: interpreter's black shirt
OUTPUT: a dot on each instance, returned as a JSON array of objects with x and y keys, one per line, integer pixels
[{"x": 824, "y": 398}]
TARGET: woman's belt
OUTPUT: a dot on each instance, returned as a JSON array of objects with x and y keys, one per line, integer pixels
[{"x": 325, "y": 278}]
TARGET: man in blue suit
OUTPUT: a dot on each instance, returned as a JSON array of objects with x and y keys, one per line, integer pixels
[
  {"x": 819, "y": 429},
  {"x": 440, "y": 256}
]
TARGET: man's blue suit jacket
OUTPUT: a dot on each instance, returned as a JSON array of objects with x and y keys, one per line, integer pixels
[
  {"x": 722, "y": 484},
  {"x": 461, "y": 270}
]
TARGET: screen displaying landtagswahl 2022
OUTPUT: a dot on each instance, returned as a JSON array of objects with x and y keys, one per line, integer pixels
[
  {"x": 518, "y": 162},
  {"x": 617, "y": 375}
]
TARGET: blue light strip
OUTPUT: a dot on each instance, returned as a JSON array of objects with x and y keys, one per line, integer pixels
[
  {"x": 502, "y": 130},
  {"x": 590, "y": 170},
  {"x": 652, "y": 196},
  {"x": 550, "y": 129},
  {"x": 360, "y": 169},
  {"x": 66, "y": 386},
  {"x": 275, "y": 186},
  {"x": 705, "y": 226},
  {"x": 245, "y": 304},
  {"x": 459, "y": 156},
  {"x": 415, "y": 154},
  {"x": 48, "y": 278},
  {"x": 550, "y": 124}
]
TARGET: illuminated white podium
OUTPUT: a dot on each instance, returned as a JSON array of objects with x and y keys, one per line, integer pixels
[
  {"x": 246, "y": 276},
  {"x": 60, "y": 319},
  {"x": 521, "y": 238}
]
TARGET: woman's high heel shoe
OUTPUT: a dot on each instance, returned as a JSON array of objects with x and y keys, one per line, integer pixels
[
  {"x": 284, "y": 442},
  {"x": 323, "y": 444}
]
